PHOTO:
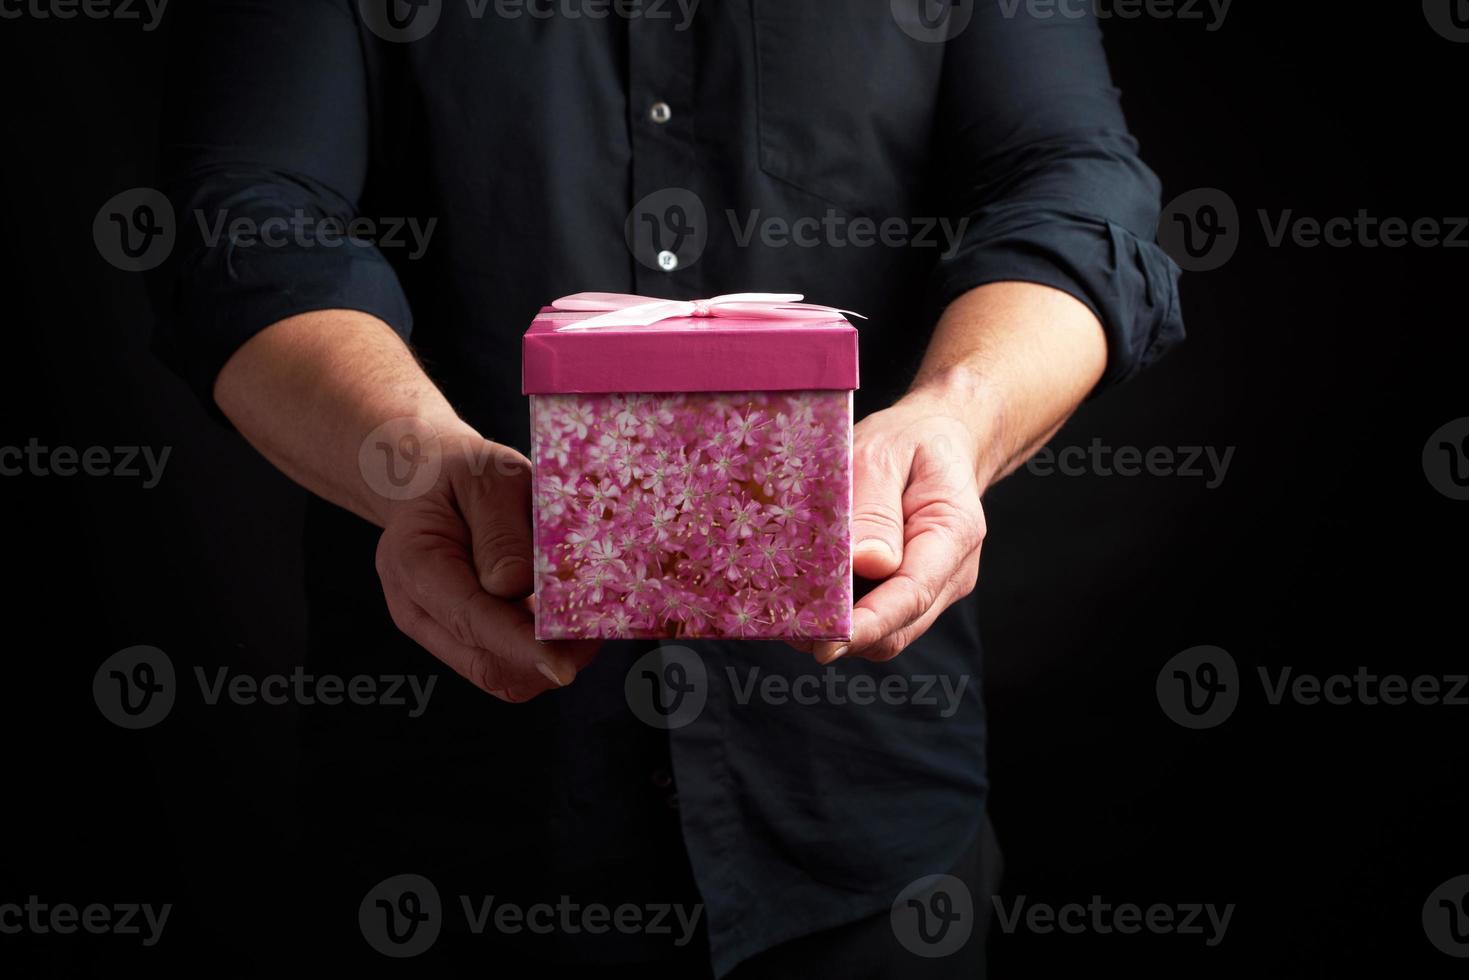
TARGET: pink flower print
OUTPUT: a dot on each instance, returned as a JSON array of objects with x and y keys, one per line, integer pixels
[
  {"x": 695, "y": 615},
  {"x": 577, "y": 419},
  {"x": 788, "y": 509},
  {"x": 764, "y": 472},
  {"x": 789, "y": 443},
  {"x": 686, "y": 465},
  {"x": 685, "y": 495},
  {"x": 803, "y": 409},
  {"x": 558, "y": 448},
  {"x": 726, "y": 463},
  {"x": 616, "y": 622},
  {"x": 799, "y": 621},
  {"x": 592, "y": 580},
  {"x": 604, "y": 552},
  {"x": 625, "y": 412},
  {"x": 655, "y": 473},
  {"x": 622, "y": 462},
  {"x": 740, "y": 518},
  {"x": 642, "y": 591},
  {"x": 735, "y": 561},
  {"x": 774, "y": 561},
  {"x": 658, "y": 521},
  {"x": 589, "y": 533},
  {"x": 653, "y": 417},
  {"x": 554, "y": 494},
  {"x": 600, "y": 495},
  {"x": 742, "y": 616},
  {"x": 698, "y": 515},
  {"x": 699, "y": 544},
  {"x": 742, "y": 427},
  {"x": 718, "y": 439}
]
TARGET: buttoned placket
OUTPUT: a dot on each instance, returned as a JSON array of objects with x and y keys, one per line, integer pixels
[{"x": 661, "y": 65}]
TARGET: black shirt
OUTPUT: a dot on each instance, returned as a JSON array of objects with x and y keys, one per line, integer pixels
[{"x": 851, "y": 150}]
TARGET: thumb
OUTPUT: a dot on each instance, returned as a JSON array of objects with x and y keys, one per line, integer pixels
[
  {"x": 877, "y": 512},
  {"x": 499, "y": 527}
]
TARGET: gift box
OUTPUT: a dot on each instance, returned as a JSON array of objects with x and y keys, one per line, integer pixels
[{"x": 692, "y": 467}]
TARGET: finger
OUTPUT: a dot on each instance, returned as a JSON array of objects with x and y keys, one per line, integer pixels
[
  {"x": 499, "y": 523},
  {"x": 435, "y": 575},
  {"x": 879, "y": 474},
  {"x": 474, "y": 665},
  {"x": 900, "y": 639},
  {"x": 931, "y": 559}
]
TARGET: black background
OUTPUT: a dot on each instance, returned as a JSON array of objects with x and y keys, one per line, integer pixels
[{"x": 1325, "y": 548}]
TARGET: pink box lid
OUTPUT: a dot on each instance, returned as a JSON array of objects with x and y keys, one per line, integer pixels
[{"x": 720, "y": 353}]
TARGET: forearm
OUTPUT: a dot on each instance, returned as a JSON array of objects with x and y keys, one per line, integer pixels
[
  {"x": 307, "y": 391},
  {"x": 1012, "y": 361}
]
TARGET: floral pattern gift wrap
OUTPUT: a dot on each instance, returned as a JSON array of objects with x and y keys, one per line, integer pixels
[{"x": 692, "y": 467}]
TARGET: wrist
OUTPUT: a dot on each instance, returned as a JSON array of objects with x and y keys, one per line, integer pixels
[
  {"x": 964, "y": 393},
  {"x": 409, "y": 456}
]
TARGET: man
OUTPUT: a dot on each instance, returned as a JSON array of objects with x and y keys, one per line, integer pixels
[{"x": 670, "y": 152}]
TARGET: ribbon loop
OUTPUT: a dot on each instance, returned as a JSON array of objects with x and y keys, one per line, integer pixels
[{"x": 629, "y": 310}]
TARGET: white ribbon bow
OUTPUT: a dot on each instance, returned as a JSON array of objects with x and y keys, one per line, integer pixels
[{"x": 628, "y": 310}]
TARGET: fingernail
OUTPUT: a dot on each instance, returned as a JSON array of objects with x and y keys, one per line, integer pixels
[
  {"x": 505, "y": 563},
  {"x": 836, "y": 654},
  {"x": 549, "y": 674},
  {"x": 875, "y": 546}
]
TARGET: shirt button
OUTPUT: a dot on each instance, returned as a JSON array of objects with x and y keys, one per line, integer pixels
[
  {"x": 661, "y": 778},
  {"x": 660, "y": 112},
  {"x": 667, "y": 261}
]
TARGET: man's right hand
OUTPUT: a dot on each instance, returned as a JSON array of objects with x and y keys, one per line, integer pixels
[
  {"x": 455, "y": 563},
  {"x": 311, "y": 393}
]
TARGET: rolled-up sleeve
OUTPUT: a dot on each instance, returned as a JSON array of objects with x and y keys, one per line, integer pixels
[
  {"x": 264, "y": 146},
  {"x": 1037, "y": 160}
]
